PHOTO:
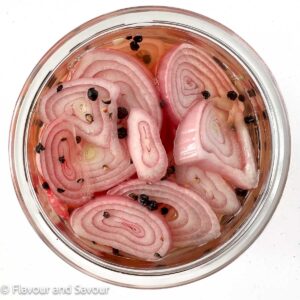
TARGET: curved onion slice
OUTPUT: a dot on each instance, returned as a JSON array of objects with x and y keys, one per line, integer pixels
[
  {"x": 59, "y": 163},
  {"x": 74, "y": 171},
  {"x": 92, "y": 118},
  {"x": 123, "y": 224},
  {"x": 146, "y": 149},
  {"x": 195, "y": 223},
  {"x": 204, "y": 137},
  {"x": 211, "y": 187},
  {"x": 135, "y": 81},
  {"x": 184, "y": 73}
]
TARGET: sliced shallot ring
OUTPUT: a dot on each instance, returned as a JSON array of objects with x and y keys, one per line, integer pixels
[
  {"x": 123, "y": 224},
  {"x": 59, "y": 163},
  {"x": 135, "y": 81},
  {"x": 184, "y": 73},
  {"x": 211, "y": 187},
  {"x": 146, "y": 149},
  {"x": 92, "y": 119},
  {"x": 195, "y": 224},
  {"x": 202, "y": 138}
]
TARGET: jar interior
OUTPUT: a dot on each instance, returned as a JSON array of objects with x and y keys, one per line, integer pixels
[{"x": 165, "y": 38}]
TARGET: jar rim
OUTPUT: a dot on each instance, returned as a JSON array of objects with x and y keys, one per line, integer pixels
[{"x": 145, "y": 16}]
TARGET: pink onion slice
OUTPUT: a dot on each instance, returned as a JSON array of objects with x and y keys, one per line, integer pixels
[
  {"x": 123, "y": 224},
  {"x": 205, "y": 138},
  {"x": 92, "y": 118},
  {"x": 195, "y": 224},
  {"x": 135, "y": 81},
  {"x": 75, "y": 170},
  {"x": 211, "y": 187},
  {"x": 184, "y": 73},
  {"x": 146, "y": 149},
  {"x": 59, "y": 163}
]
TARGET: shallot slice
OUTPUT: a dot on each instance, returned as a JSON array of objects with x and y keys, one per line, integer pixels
[
  {"x": 146, "y": 149},
  {"x": 75, "y": 168},
  {"x": 211, "y": 187},
  {"x": 206, "y": 138},
  {"x": 123, "y": 224},
  {"x": 135, "y": 81},
  {"x": 59, "y": 163},
  {"x": 187, "y": 74},
  {"x": 89, "y": 103},
  {"x": 194, "y": 223}
]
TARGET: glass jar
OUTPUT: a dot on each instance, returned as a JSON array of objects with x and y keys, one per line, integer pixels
[{"x": 274, "y": 167}]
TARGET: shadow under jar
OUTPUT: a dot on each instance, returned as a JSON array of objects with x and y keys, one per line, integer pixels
[{"x": 267, "y": 125}]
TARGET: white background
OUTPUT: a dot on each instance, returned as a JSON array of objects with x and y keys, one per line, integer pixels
[{"x": 270, "y": 268}]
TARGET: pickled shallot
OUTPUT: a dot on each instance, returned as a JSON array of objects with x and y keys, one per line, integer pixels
[
  {"x": 143, "y": 146},
  {"x": 187, "y": 74},
  {"x": 135, "y": 81},
  {"x": 89, "y": 105},
  {"x": 206, "y": 139},
  {"x": 195, "y": 222},
  {"x": 124, "y": 225},
  {"x": 211, "y": 187}
]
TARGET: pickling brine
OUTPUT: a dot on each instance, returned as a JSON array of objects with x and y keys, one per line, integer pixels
[{"x": 146, "y": 145}]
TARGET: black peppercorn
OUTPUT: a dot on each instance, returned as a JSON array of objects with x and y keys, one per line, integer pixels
[
  {"x": 106, "y": 214},
  {"x": 171, "y": 170},
  {"x": 62, "y": 159},
  {"x": 39, "y": 147},
  {"x": 240, "y": 192},
  {"x": 251, "y": 93},
  {"x": 59, "y": 88},
  {"x": 143, "y": 199},
  {"x": 232, "y": 95},
  {"x": 205, "y": 94},
  {"x": 92, "y": 94},
  {"x": 122, "y": 112},
  {"x": 152, "y": 205},
  {"x": 138, "y": 38},
  {"x": 134, "y": 46},
  {"x": 241, "y": 98},
  {"x": 122, "y": 132},
  {"x": 249, "y": 119},
  {"x": 45, "y": 186},
  {"x": 164, "y": 210},
  {"x": 115, "y": 251}
]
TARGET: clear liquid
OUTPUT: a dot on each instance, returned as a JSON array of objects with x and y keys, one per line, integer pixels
[{"x": 156, "y": 42}]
